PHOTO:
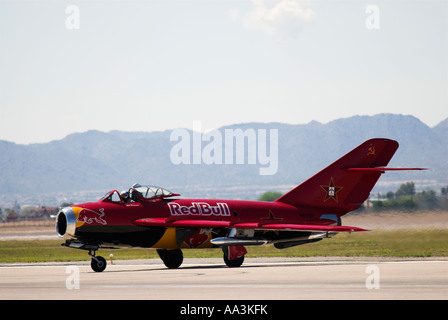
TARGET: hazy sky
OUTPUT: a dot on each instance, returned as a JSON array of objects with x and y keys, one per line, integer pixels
[{"x": 154, "y": 65}]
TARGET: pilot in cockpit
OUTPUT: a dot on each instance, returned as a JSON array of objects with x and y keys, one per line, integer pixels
[
  {"x": 131, "y": 195},
  {"x": 125, "y": 196}
]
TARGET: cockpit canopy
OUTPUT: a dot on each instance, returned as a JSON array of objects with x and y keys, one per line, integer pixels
[
  {"x": 151, "y": 192},
  {"x": 138, "y": 193}
]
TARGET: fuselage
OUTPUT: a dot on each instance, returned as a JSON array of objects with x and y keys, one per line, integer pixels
[{"x": 115, "y": 223}]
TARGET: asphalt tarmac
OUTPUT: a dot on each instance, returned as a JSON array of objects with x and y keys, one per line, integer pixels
[{"x": 210, "y": 279}]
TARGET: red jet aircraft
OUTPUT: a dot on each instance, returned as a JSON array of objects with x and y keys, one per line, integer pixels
[{"x": 152, "y": 217}]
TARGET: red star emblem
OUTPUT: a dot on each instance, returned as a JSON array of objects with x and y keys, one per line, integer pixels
[
  {"x": 271, "y": 216},
  {"x": 331, "y": 191}
]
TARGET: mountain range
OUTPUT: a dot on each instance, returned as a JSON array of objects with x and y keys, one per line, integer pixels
[{"x": 83, "y": 166}]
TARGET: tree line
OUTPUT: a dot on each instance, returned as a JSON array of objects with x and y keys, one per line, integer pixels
[{"x": 407, "y": 199}]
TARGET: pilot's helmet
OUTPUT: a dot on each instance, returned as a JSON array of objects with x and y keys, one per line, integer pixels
[{"x": 124, "y": 195}]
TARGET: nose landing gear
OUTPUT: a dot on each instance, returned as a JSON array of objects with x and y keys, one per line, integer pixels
[{"x": 98, "y": 264}]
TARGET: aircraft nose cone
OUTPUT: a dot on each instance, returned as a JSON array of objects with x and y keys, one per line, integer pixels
[{"x": 66, "y": 223}]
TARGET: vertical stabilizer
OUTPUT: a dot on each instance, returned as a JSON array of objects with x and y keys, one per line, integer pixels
[{"x": 340, "y": 189}]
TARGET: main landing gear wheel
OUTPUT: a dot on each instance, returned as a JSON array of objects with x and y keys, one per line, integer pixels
[
  {"x": 234, "y": 256},
  {"x": 171, "y": 258},
  {"x": 233, "y": 263},
  {"x": 98, "y": 264}
]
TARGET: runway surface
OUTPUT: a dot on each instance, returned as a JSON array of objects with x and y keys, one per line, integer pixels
[{"x": 209, "y": 279}]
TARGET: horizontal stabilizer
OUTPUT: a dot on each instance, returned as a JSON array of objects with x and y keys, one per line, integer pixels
[{"x": 379, "y": 169}]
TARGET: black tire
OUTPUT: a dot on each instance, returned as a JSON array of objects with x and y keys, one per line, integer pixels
[
  {"x": 99, "y": 264},
  {"x": 233, "y": 263},
  {"x": 171, "y": 258}
]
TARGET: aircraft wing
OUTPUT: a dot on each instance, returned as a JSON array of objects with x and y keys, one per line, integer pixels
[
  {"x": 164, "y": 222},
  {"x": 201, "y": 223},
  {"x": 296, "y": 227}
]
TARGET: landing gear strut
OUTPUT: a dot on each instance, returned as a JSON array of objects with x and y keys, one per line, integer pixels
[{"x": 98, "y": 264}]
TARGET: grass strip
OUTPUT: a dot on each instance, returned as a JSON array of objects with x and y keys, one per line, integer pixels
[{"x": 395, "y": 243}]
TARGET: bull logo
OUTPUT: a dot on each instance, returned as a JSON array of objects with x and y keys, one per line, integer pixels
[
  {"x": 89, "y": 216},
  {"x": 197, "y": 239}
]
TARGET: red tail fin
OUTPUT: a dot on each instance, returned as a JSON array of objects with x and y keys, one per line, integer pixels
[{"x": 339, "y": 189}]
